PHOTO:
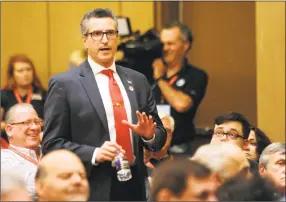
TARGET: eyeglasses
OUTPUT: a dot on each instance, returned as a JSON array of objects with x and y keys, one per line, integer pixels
[
  {"x": 229, "y": 134},
  {"x": 98, "y": 35},
  {"x": 28, "y": 123}
]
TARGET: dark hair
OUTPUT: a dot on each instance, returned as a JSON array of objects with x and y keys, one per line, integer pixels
[
  {"x": 96, "y": 13},
  {"x": 173, "y": 175},
  {"x": 262, "y": 140},
  {"x": 186, "y": 33},
  {"x": 234, "y": 116},
  {"x": 243, "y": 189},
  {"x": 10, "y": 73}
]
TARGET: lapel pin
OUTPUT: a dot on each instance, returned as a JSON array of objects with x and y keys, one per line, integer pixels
[
  {"x": 131, "y": 88},
  {"x": 129, "y": 81},
  {"x": 180, "y": 82}
]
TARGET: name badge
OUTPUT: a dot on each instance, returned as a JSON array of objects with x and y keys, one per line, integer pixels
[
  {"x": 164, "y": 109},
  {"x": 37, "y": 96}
]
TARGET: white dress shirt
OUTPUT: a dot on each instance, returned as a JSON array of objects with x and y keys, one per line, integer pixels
[
  {"x": 12, "y": 161},
  {"x": 103, "y": 86}
]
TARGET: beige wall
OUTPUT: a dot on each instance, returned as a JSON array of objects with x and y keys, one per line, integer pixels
[
  {"x": 49, "y": 31},
  {"x": 24, "y": 30},
  {"x": 270, "y": 46},
  {"x": 224, "y": 46}
]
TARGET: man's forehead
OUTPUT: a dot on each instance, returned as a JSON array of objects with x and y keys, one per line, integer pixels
[
  {"x": 277, "y": 156},
  {"x": 24, "y": 114},
  {"x": 101, "y": 24},
  {"x": 170, "y": 33},
  {"x": 231, "y": 125}
]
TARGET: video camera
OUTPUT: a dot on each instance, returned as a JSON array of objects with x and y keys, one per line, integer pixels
[{"x": 140, "y": 52}]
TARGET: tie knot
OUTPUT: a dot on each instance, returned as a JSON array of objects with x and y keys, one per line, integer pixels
[{"x": 107, "y": 72}]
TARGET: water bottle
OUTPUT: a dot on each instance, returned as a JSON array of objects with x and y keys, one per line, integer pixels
[{"x": 122, "y": 167}]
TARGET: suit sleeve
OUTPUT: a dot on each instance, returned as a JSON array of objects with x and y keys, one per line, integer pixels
[
  {"x": 160, "y": 132},
  {"x": 57, "y": 130}
]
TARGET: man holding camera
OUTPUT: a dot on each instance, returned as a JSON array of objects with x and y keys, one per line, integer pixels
[{"x": 180, "y": 86}]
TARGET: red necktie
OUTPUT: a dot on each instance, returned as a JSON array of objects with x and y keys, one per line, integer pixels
[{"x": 122, "y": 131}]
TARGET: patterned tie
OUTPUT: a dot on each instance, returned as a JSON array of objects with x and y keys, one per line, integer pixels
[{"x": 122, "y": 131}]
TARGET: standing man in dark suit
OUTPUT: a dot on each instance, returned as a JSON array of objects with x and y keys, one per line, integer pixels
[{"x": 100, "y": 108}]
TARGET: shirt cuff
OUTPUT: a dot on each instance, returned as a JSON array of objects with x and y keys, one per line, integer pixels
[
  {"x": 149, "y": 141},
  {"x": 93, "y": 162}
]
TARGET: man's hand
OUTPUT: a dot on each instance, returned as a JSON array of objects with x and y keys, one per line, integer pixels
[
  {"x": 145, "y": 126},
  {"x": 108, "y": 151},
  {"x": 159, "y": 68}
]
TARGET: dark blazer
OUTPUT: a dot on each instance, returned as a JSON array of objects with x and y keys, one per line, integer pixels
[{"x": 75, "y": 119}]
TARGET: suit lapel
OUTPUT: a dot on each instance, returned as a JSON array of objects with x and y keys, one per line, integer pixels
[
  {"x": 131, "y": 92},
  {"x": 88, "y": 81}
]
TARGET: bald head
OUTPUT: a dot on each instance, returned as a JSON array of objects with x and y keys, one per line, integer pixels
[
  {"x": 61, "y": 176},
  {"x": 20, "y": 108},
  {"x": 227, "y": 160}
]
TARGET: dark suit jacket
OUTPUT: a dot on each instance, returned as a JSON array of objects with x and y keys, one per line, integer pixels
[{"x": 75, "y": 119}]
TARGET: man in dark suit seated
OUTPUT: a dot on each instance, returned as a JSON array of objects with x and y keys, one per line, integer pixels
[{"x": 100, "y": 109}]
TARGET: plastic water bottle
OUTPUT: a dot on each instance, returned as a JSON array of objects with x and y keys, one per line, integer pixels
[{"x": 122, "y": 167}]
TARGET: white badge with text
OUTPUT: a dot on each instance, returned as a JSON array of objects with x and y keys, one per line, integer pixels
[{"x": 164, "y": 109}]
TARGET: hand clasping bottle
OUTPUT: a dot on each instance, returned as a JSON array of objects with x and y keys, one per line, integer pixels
[{"x": 122, "y": 167}]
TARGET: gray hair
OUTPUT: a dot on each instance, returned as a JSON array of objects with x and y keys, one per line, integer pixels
[
  {"x": 186, "y": 33},
  {"x": 217, "y": 156},
  {"x": 170, "y": 118},
  {"x": 96, "y": 13},
  {"x": 11, "y": 113},
  {"x": 271, "y": 149},
  {"x": 10, "y": 181}
]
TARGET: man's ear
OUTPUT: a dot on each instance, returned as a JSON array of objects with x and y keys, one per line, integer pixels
[
  {"x": 9, "y": 129},
  {"x": 84, "y": 38},
  {"x": 262, "y": 170},
  {"x": 187, "y": 46}
]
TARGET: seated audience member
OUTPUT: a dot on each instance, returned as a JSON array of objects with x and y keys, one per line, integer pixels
[
  {"x": 23, "y": 127},
  {"x": 257, "y": 141},
  {"x": 242, "y": 189},
  {"x": 61, "y": 176},
  {"x": 224, "y": 160},
  {"x": 183, "y": 180},
  {"x": 272, "y": 165},
  {"x": 13, "y": 187},
  {"x": 234, "y": 128},
  {"x": 23, "y": 86},
  {"x": 151, "y": 159}
]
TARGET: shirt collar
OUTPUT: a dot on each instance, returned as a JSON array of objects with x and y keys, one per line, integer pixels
[
  {"x": 96, "y": 68},
  {"x": 29, "y": 152}
]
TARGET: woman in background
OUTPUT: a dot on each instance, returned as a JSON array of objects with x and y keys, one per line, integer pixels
[
  {"x": 257, "y": 141},
  {"x": 23, "y": 85}
]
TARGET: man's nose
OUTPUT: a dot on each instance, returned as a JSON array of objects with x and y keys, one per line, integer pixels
[
  {"x": 104, "y": 38},
  {"x": 223, "y": 138},
  {"x": 76, "y": 178}
]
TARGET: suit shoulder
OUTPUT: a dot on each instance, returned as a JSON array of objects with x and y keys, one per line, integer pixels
[{"x": 65, "y": 76}]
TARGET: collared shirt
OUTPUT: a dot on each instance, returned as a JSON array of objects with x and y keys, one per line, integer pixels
[
  {"x": 103, "y": 86},
  {"x": 193, "y": 82},
  {"x": 12, "y": 161}
]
